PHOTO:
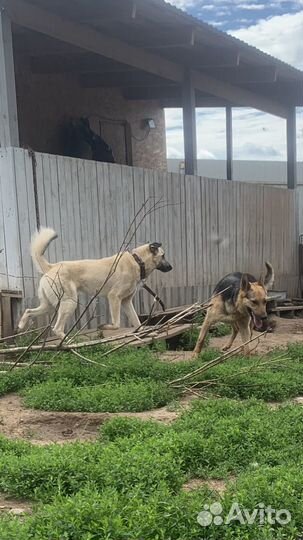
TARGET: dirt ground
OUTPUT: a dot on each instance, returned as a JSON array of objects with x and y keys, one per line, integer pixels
[
  {"x": 218, "y": 486},
  {"x": 17, "y": 507},
  {"x": 43, "y": 427},
  {"x": 286, "y": 331}
]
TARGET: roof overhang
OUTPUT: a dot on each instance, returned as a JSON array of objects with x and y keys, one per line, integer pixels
[{"x": 145, "y": 47}]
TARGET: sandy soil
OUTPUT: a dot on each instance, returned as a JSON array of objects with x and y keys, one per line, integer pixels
[
  {"x": 218, "y": 486},
  {"x": 43, "y": 427},
  {"x": 17, "y": 507},
  {"x": 287, "y": 331}
]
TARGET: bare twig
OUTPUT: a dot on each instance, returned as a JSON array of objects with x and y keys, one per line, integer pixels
[
  {"x": 218, "y": 360},
  {"x": 20, "y": 334},
  {"x": 89, "y": 360}
]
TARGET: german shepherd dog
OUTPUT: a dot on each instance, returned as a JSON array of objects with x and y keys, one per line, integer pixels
[
  {"x": 62, "y": 281},
  {"x": 238, "y": 299}
]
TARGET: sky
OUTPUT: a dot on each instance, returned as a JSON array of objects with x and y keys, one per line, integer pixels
[{"x": 275, "y": 27}]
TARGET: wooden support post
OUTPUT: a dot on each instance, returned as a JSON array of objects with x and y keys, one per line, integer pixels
[
  {"x": 291, "y": 148},
  {"x": 229, "y": 143},
  {"x": 9, "y": 135},
  {"x": 189, "y": 124},
  {"x": 8, "y": 310},
  {"x": 128, "y": 144}
]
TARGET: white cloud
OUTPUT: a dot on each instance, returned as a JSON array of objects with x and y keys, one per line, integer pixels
[
  {"x": 182, "y": 4},
  {"x": 280, "y": 36},
  {"x": 256, "y": 135},
  {"x": 252, "y": 7},
  {"x": 217, "y": 23}
]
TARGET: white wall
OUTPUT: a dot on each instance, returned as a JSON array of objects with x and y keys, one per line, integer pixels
[{"x": 266, "y": 172}]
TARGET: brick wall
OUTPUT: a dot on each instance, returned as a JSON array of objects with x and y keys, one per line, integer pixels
[{"x": 44, "y": 101}]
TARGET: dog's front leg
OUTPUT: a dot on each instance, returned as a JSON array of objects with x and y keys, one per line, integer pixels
[
  {"x": 130, "y": 311},
  {"x": 245, "y": 331},
  {"x": 233, "y": 336},
  {"x": 115, "y": 312}
]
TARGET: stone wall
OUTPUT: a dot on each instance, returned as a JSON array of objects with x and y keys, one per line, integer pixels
[{"x": 45, "y": 101}]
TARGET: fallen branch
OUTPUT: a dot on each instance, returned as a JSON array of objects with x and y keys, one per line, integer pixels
[
  {"x": 89, "y": 360},
  {"x": 218, "y": 360},
  {"x": 20, "y": 334}
]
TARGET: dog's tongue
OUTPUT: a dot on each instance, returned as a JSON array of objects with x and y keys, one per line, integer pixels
[{"x": 257, "y": 322}]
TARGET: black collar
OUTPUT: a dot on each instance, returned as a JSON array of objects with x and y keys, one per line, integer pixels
[{"x": 141, "y": 264}]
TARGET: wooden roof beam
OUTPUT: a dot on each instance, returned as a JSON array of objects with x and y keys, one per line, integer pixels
[
  {"x": 43, "y": 21},
  {"x": 201, "y": 102},
  {"x": 122, "y": 80},
  {"x": 84, "y": 37},
  {"x": 229, "y": 92},
  {"x": 171, "y": 97},
  {"x": 185, "y": 38},
  {"x": 153, "y": 93},
  {"x": 76, "y": 63},
  {"x": 127, "y": 14},
  {"x": 247, "y": 74},
  {"x": 222, "y": 58}
]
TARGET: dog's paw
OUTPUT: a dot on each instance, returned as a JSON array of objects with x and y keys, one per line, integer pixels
[{"x": 109, "y": 327}]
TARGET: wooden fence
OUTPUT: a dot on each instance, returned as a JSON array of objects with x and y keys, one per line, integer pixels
[{"x": 208, "y": 227}]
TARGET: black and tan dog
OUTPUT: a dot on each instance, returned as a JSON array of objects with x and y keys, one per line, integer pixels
[{"x": 240, "y": 300}]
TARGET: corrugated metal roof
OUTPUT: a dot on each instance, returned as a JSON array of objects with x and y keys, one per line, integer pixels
[{"x": 224, "y": 37}]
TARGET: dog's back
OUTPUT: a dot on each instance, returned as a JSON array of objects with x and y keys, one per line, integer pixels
[{"x": 230, "y": 285}]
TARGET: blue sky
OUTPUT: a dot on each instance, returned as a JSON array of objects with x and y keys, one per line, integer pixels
[{"x": 275, "y": 27}]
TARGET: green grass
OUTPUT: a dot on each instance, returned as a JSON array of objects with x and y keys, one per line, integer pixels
[
  {"x": 275, "y": 382},
  {"x": 215, "y": 438},
  {"x": 137, "y": 380},
  {"x": 130, "y": 396},
  {"x": 128, "y": 484},
  {"x": 162, "y": 515},
  {"x": 130, "y": 381}
]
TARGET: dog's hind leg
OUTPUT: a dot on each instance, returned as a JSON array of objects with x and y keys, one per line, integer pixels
[
  {"x": 29, "y": 314},
  {"x": 66, "y": 309},
  {"x": 235, "y": 331},
  {"x": 130, "y": 311}
]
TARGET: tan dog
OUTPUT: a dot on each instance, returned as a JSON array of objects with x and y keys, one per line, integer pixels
[
  {"x": 239, "y": 299},
  {"x": 116, "y": 279}
]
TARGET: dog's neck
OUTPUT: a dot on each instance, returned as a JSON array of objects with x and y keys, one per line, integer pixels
[{"x": 141, "y": 264}]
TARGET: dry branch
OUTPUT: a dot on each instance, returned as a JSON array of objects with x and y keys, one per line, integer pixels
[{"x": 218, "y": 360}]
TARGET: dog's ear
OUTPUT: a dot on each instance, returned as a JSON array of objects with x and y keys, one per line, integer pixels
[
  {"x": 261, "y": 280},
  {"x": 154, "y": 246},
  {"x": 245, "y": 285}
]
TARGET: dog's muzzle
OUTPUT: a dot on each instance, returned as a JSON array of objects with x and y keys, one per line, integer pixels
[
  {"x": 260, "y": 323},
  {"x": 164, "y": 266}
]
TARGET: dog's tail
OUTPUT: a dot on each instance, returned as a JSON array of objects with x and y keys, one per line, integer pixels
[
  {"x": 40, "y": 241},
  {"x": 270, "y": 276}
]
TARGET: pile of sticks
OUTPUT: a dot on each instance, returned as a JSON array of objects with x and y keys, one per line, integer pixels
[
  {"x": 191, "y": 382},
  {"x": 118, "y": 341}
]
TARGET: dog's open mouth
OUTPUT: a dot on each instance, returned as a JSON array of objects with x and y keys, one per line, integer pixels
[{"x": 258, "y": 323}]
